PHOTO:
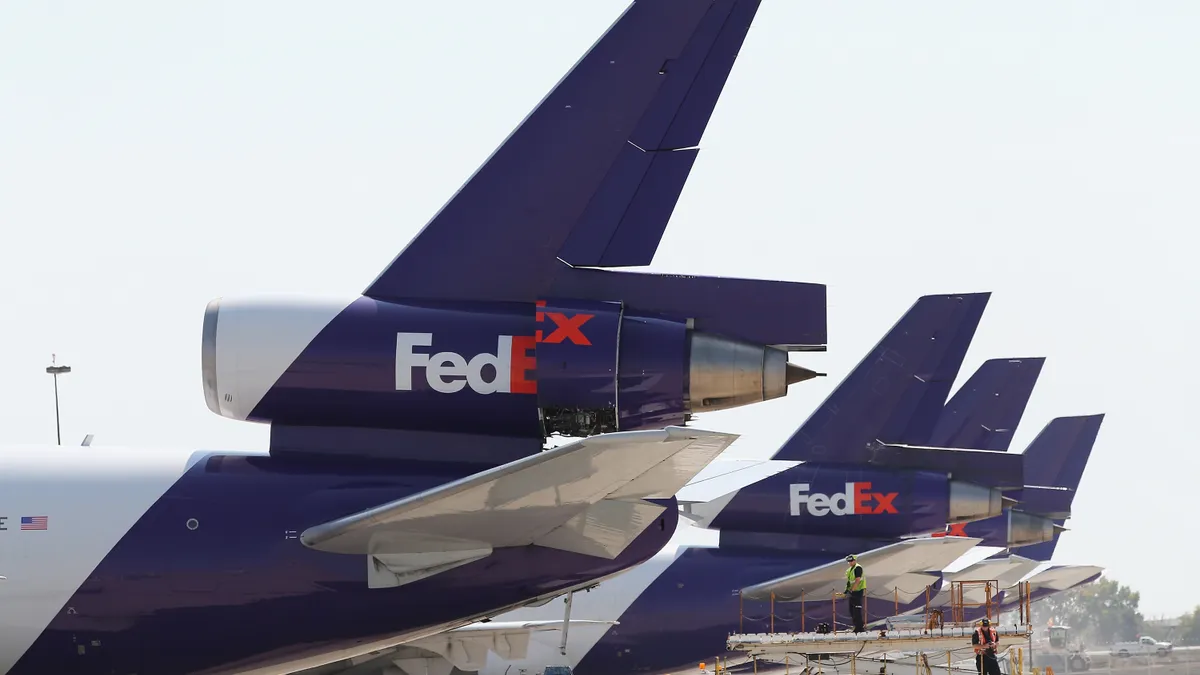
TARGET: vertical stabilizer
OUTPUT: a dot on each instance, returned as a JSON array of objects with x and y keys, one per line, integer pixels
[
  {"x": 984, "y": 413},
  {"x": 879, "y": 398}
]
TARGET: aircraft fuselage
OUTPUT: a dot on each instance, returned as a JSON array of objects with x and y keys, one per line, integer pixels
[{"x": 172, "y": 562}]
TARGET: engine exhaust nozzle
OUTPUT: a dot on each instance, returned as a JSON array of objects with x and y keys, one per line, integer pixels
[{"x": 725, "y": 373}]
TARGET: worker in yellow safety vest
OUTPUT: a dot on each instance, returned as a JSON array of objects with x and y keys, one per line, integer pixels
[{"x": 856, "y": 588}]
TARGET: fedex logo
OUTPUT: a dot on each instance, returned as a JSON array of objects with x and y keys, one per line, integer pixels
[
  {"x": 856, "y": 500},
  {"x": 513, "y": 366}
]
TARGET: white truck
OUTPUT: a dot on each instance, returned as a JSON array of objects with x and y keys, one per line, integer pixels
[{"x": 1143, "y": 646}]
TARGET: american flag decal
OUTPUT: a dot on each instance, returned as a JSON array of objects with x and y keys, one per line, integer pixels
[{"x": 35, "y": 523}]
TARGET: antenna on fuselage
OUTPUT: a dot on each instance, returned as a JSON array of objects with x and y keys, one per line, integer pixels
[{"x": 87, "y": 440}]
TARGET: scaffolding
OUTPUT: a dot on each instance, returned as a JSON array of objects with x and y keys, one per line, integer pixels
[{"x": 934, "y": 632}]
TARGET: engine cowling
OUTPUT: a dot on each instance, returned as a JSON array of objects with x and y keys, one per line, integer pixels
[{"x": 569, "y": 367}]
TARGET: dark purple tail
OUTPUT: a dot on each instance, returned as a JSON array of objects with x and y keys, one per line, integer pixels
[
  {"x": 590, "y": 179},
  {"x": 891, "y": 394},
  {"x": 1055, "y": 461},
  {"x": 1054, "y": 464},
  {"x": 985, "y": 412}
]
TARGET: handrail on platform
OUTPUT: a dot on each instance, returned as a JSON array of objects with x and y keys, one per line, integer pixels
[{"x": 934, "y": 617}]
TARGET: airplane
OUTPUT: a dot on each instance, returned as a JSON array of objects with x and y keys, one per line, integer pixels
[
  {"x": 284, "y": 564},
  {"x": 406, "y": 464},
  {"x": 505, "y": 321},
  {"x": 678, "y": 608},
  {"x": 953, "y": 317}
]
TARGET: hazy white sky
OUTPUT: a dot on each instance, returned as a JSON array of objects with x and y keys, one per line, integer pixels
[{"x": 154, "y": 156}]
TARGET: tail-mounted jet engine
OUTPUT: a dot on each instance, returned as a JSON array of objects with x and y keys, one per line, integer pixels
[{"x": 575, "y": 368}]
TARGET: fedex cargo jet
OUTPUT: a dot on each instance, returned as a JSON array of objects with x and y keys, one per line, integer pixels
[
  {"x": 406, "y": 491},
  {"x": 774, "y": 537}
]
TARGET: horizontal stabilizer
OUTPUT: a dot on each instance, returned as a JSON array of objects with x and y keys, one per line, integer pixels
[
  {"x": 984, "y": 467},
  {"x": 587, "y": 497},
  {"x": 592, "y": 175},
  {"x": 784, "y": 314},
  {"x": 985, "y": 412},
  {"x": 901, "y": 570}
]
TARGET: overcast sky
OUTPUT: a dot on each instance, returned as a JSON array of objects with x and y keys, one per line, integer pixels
[{"x": 154, "y": 156}]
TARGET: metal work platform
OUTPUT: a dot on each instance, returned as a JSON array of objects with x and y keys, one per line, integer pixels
[
  {"x": 874, "y": 642},
  {"x": 926, "y": 632}
]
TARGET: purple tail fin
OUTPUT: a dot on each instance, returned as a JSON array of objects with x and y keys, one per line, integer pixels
[
  {"x": 985, "y": 412},
  {"x": 1056, "y": 460},
  {"x": 592, "y": 175},
  {"x": 1059, "y": 454},
  {"x": 883, "y": 395},
  {"x": 1054, "y": 465},
  {"x": 589, "y": 180}
]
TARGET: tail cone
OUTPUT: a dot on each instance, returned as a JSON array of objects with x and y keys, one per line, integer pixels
[{"x": 797, "y": 373}]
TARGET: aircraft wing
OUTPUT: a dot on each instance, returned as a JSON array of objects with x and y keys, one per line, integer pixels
[
  {"x": 592, "y": 175},
  {"x": 588, "y": 497},
  {"x": 1063, "y": 577},
  {"x": 903, "y": 569}
]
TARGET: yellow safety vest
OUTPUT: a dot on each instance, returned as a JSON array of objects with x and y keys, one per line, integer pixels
[{"x": 859, "y": 584}]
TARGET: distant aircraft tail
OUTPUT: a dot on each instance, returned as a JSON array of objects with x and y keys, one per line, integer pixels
[
  {"x": 894, "y": 391},
  {"x": 1054, "y": 464},
  {"x": 985, "y": 412},
  {"x": 1055, "y": 461}
]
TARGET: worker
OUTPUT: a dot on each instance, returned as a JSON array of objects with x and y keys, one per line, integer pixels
[
  {"x": 856, "y": 588},
  {"x": 984, "y": 641}
]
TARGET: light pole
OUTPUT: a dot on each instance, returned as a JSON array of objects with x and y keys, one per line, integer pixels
[{"x": 56, "y": 370}]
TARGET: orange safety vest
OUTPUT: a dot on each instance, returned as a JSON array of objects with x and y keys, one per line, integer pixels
[{"x": 979, "y": 648}]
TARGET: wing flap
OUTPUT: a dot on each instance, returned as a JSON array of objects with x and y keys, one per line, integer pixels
[
  {"x": 583, "y": 496},
  {"x": 466, "y": 648},
  {"x": 604, "y": 529}
]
